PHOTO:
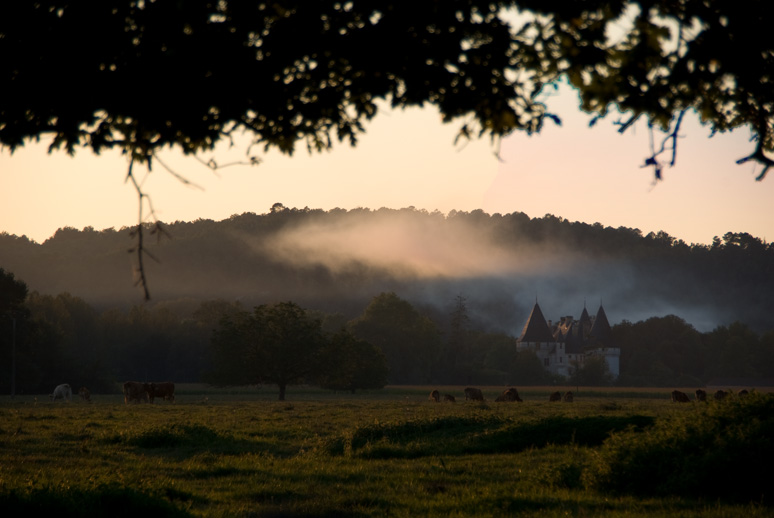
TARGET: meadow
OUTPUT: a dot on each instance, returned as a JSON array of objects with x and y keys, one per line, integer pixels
[{"x": 241, "y": 453}]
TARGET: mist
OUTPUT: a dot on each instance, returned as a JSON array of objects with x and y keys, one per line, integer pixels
[
  {"x": 337, "y": 261},
  {"x": 408, "y": 247},
  {"x": 436, "y": 258}
]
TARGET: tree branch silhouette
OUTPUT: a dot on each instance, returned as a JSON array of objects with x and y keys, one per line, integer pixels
[
  {"x": 668, "y": 143},
  {"x": 760, "y": 157},
  {"x": 143, "y": 217}
]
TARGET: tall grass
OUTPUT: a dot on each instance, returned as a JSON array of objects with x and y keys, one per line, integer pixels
[
  {"x": 211, "y": 456},
  {"x": 456, "y": 435}
]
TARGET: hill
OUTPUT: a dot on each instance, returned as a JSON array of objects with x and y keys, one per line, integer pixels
[{"x": 337, "y": 260}]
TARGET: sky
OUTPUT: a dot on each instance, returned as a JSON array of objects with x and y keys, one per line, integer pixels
[{"x": 409, "y": 159}]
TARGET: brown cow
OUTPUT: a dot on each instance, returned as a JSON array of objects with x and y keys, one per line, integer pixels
[
  {"x": 510, "y": 394},
  {"x": 85, "y": 394},
  {"x": 135, "y": 391},
  {"x": 680, "y": 397},
  {"x": 720, "y": 394},
  {"x": 473, "y": 394},
  {"x": 555, "y": 396},
  {"x": 449, "y": 398},
  {"x": 701, "y": 395},
  {"x": 568, "y": 397},
  {"x": 165, "y": 390},
  {"x": 435, "y": 396},
  {"x": 744, "y": 392}
]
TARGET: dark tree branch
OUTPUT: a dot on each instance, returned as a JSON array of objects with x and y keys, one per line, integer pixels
[
  {"x": 156, "y": 227},
  {"x": 668, "y": 143},
  {"x": 138, "y": 231},
  {"x": 625, "y": 125},
  {"x": 760, "y": 157}
]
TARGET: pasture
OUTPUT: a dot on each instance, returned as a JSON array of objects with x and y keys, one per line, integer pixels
[{"x": 242, "y": 453}]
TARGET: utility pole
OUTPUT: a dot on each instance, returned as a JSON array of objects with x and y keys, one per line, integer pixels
[{"x": 13, "y": 357}]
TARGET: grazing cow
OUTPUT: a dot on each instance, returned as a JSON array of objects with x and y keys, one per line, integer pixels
[
  {"x": 165, "y": 390},
  {"x": 63, "y": 392},
  {"x": 449, "y": 398},
  {"x": 435, "y": 396},
  {"x": 568, "y": 397},
  {"x": 680, "y": 397},
  {"x": 720, "y": 394},
  {"x": 701, "y": 395},
  {"x": 743, "y": 392},
  {"x": 85, "y": 394},
  {"x": 135, "y": 391},
  {"x": 555, "y": 396},
  {"x": 510, "y": 394},
  {"x": 473, "y": 394}
]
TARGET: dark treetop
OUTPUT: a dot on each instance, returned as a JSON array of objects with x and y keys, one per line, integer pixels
[{"x": 142, "y": 75}]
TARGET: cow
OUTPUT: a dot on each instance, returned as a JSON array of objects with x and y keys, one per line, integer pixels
[
  {"x": 720, "y": 394},
  {"x": 435, "y": 396},
  {"x": 679, "y": 397},
  {"x": 555, "y": 396},
  {"x": 473, "y": 394},
  {"x": 449, "y": 398},
  {"x": 135, "y": 391},
  {"x": 701, "y": 395},
  {"x": 63, "y": 392},
  {"x": 85, "y": 394},
  {"x": 568, "y": 397},
  {"x": 510, "y": 394},
  {"x": 165, "y": 390},
  {"x": 743, "y": 392}
]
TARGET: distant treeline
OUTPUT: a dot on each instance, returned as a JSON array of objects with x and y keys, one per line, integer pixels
[
  {"x": 338, "y": 264},
  {"x": 336, "y": 261},
  {"x": 63, "y": 339}
]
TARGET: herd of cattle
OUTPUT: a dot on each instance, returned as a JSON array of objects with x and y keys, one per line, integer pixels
[
  {"x": 133, "y": 391},
  {"x": 140, "y": 391},
  {"x": 701, "y": 395},
  {"x": 510, "y": 394}
]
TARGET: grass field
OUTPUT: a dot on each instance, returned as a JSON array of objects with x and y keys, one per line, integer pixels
[{"x": 241, "y": 453}]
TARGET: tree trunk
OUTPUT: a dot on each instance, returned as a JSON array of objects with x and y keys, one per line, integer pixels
[{"x": 282, "y": 391}]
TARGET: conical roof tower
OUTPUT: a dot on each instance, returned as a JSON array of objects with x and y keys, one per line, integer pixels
[
  {"x": 601, "y": 334},
  {"x": 536, "y": 329}
]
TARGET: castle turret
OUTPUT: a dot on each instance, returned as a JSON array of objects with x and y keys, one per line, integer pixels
[
  {"x": 536, "y": 336},
  {"x": 536, "y": 329},
  {"x": 601, "y": 343}
]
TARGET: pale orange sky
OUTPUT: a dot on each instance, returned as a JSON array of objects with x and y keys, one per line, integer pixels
[{"x": 409, "y": 159}]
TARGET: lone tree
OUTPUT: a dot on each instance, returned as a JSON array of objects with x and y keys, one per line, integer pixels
[{"x": 277, "y": 343}]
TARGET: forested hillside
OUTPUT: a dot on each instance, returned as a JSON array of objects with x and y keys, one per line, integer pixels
[
  {"x": 336, "y": 261},
  {"x": 407, "y": 296}
]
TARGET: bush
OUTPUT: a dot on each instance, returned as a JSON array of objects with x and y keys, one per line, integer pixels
[
  {"x": 108, "y": 501},
  {"x": 711, "y": 451}
]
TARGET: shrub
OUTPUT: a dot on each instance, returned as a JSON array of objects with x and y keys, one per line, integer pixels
[{"x": 711, "y": 451}]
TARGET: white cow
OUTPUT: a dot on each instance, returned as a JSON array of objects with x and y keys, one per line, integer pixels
[{"x": 63, "y": 392}]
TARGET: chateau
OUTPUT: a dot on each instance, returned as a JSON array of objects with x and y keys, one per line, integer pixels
[{"x": 569, "y": 342}]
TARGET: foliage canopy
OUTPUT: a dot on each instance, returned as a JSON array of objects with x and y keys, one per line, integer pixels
[{"x": 150, "y": 74}]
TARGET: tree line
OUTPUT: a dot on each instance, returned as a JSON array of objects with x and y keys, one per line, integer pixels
[
  {"x": 641, "y": 275},
  {"x": 62, "y": 338}
]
